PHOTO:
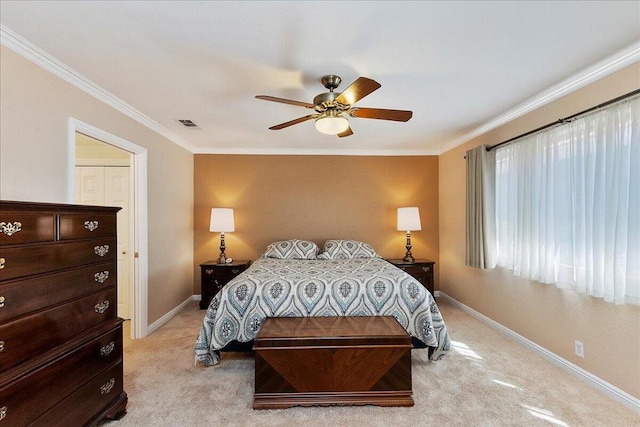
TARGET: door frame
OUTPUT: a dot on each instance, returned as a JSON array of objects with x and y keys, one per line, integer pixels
[{"x": 139, "y": 320}]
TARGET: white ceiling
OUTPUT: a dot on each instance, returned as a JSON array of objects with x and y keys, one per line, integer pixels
[{"x": 461, "y": 67}]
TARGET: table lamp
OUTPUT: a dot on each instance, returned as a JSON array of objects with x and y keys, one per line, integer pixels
[
  {"x": 222, "y": 221},
  {"x": 409, "y": 220}
]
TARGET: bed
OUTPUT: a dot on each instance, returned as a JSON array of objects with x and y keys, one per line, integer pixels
[{"x": 293, "y": 278}]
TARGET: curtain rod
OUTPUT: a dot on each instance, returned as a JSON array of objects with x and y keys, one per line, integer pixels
[{"x": 566, "y": 119}]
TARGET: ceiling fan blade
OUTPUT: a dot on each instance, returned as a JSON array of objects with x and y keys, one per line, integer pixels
[
  {"x": 284, "y": 101},
  {"x": 357, "y": 90},
  {"x": 346, "y": 133},
  {"x": 381, "y": 113},
  {"x": 294, "y": 122}
]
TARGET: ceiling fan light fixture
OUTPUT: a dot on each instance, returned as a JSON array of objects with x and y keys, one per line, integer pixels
[{"x": 332, "y": 124}]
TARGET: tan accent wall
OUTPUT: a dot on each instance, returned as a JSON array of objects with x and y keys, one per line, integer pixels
[
  {"x": 548, "y": 316},
  {"x": 314, "y": 198},
  {"x": 35, "y": 107}
]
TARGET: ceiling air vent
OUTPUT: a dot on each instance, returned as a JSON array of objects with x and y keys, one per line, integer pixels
[{"x": 187, "y": 123}]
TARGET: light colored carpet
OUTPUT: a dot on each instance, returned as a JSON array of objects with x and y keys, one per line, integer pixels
[{"x": 487, "y": 379}]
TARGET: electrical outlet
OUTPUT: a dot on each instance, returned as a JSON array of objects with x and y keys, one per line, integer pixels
[{"x": 579, "y": 349}]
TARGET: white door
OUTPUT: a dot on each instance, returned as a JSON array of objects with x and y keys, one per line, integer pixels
[
  {"x": 109, "y": 186},
  {"x": 116, "y": 193},
  {"x": 90, "y": 186}
]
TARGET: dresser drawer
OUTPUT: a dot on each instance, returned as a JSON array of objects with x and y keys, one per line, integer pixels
[
  {"x": 20, "y": 297},
  {"x": 86, "y": 225},
  {"x": 32, "y": 335},
  {"x": 27, "y": 260},
  {"x": 19, "y": 227},
  {"x": 37, "y": 392},
  {"x": 81, "y": 406}
]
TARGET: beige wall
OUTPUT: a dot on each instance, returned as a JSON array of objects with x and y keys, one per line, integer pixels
[
  {"x": 548, "y": 316},
  {"x": 314, "y": 198},
  {"x": 34, "y": 109}
]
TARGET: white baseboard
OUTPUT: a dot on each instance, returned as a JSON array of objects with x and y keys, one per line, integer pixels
[
  {"x": 620, "y": 395},
  {"x": 197, "y": 297},
  {"x": 164, "y": 319}
]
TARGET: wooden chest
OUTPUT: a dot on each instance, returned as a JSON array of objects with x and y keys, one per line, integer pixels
[
  {"x": 306, "y": 361},
  {"x": 60, "y": 338}
]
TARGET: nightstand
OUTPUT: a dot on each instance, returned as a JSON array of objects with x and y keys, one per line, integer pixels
[
  {"x": 214, "y": 276},
  {"x": 420, "y": 269}
]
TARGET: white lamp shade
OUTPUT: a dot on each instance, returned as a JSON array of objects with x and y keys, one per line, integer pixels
[
  {"x": 332, "y": 125},
  {"x": 409, "y": 219},
  {"x": 222, "y": 220}
]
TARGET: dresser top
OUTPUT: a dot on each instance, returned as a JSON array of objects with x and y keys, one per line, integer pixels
[{"x": 12, "y": 205}]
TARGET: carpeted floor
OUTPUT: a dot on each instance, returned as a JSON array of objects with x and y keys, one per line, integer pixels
[{"x": 487, "y": 379}]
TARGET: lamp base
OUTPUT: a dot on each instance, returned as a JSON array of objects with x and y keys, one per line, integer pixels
[
  {"x": 409, "y": 258},
  {"x": 222, "y": 259}
]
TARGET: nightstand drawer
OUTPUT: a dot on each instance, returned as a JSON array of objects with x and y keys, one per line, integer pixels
[
  {"x": 421, "y": 270},
  {"x": 214, "y": 276}
]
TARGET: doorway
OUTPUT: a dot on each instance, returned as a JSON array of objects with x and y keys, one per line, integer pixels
[
  {"x": 103, "y": 178},
  {"x": 106, "y": 170}
]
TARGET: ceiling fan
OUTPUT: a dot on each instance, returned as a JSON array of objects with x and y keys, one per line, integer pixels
[{"x": 333, "y": 108}]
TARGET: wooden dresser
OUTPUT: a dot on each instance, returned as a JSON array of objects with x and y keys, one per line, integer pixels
[{"x": 60, "y": 338}]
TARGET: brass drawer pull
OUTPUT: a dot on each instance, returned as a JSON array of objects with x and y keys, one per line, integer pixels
[
  {"x": 3, "y": 412},
  {"x": 235, "y": 270},
  {"x": 2, "y": 262},
  {"x": 208, "y": 271},
  {"x": 1, "y": 346},
  {"x": 102, "y": 307},
  {"x": 2, "y": 300},
  {"x": 107, "y": 349},
  {"x": 106, "y": 387},
  {"x": 101, "y": 277},
  {"x": 91, "y": 225},
  {"x": 425, "y": 269},
  {"x": 10, "y": 228},
  {"x": 101, "y": 250}
]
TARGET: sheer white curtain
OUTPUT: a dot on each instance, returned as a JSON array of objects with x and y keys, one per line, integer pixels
[{"x": 568, "y": 204}]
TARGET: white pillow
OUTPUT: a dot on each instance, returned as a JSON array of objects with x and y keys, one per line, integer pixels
[
  {"x": 292, "y": 249},
  {"x": 347, "y": 249}
]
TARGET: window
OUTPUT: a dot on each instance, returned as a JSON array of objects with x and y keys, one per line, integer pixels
[{"x": 567, "y": 203}]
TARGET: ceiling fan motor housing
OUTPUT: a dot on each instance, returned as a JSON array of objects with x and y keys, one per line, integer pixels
[{"x": 327, "y": 101}]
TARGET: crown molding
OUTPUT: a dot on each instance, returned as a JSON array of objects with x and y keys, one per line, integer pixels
[
  {"x": 610, "y": 65},
  {"x": 314, "y": 152},
  {"x": 28, "y": 50}
]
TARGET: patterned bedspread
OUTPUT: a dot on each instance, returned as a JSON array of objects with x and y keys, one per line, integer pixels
[{"x": 298, "y": 288}]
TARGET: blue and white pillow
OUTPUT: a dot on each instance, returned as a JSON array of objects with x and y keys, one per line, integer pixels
[
  {"x": 292, "y": 249},
  {"x": 347, "y": 249}
]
